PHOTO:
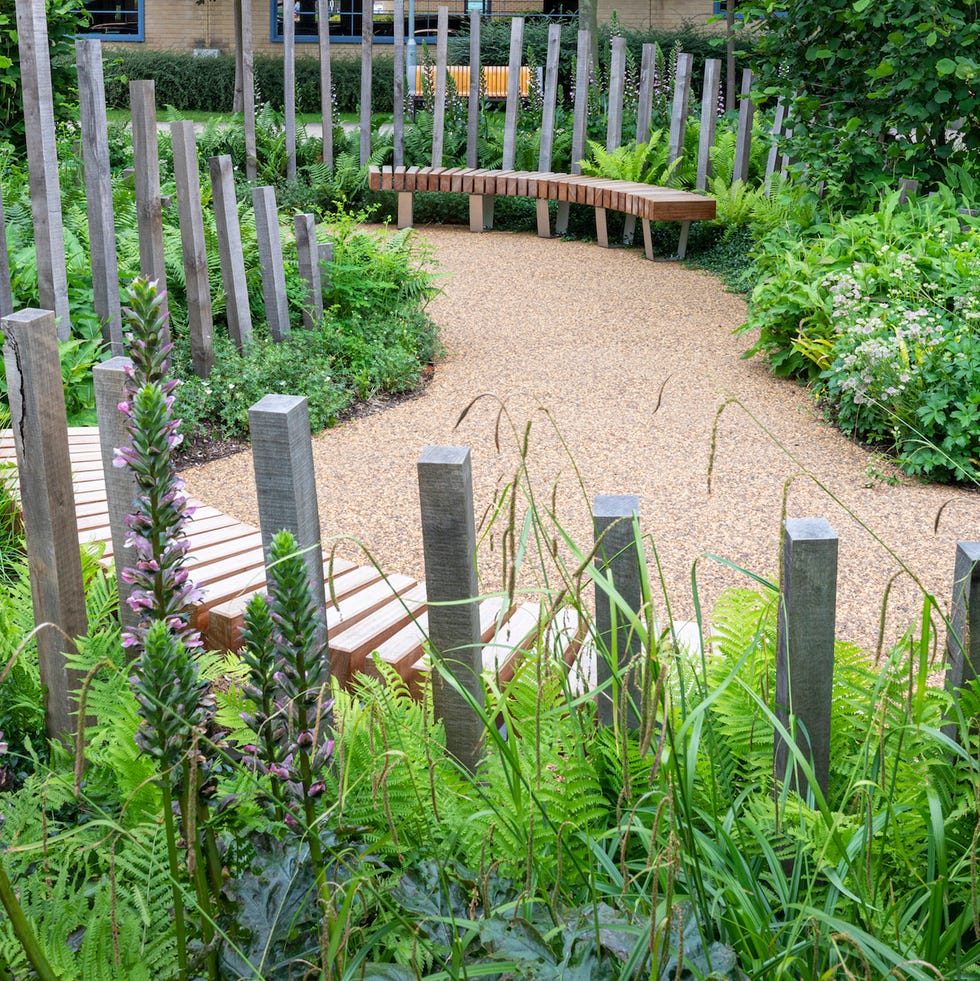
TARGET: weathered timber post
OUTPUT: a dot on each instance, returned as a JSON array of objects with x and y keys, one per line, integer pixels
[
  {"x": 326, "y": 85},
  {"x": 367, "y": 61},
  {"x": 774, "y": 158},
  {"x": 270, "y": 258},
  {"x": 229, "y": 230},
  {"x": 743, "y": 140},
  {"x": 120, "y": 482},
  {"x": 42, "y": 161},
  {"x": 200, "y": 323},
  {"x": 580, "y": 119},
  {"x": 285, "y": 484},
  {"x": 146, "y": 164},
  {"x": 513, "y": 92},
  {"x": 398, "y": 87},
  {"x": 618, "y": 557},
  {"x": 709, "y": 120},
  {"x": 644, "y": 110},
  {"x": 805, "y": 649},
  {"x": 289, "y": 87},
  {"x": 98, "y": 190},
  {"x": 679, "y": 107},
  {"x": 449, "y": 544},
  {"x": 47, "y": 500},
  {"x": 324, "y": 253},
  {"x": 439, "y": 98},
  {"x": 308, "y": 256},
  {"x": 6, "y": 292},
  {"x": 473, "y": 101},
  {"x": 548, "y": 107},
  {"x": 248, "y": 93},
  {"x": 963, "y": 642}
]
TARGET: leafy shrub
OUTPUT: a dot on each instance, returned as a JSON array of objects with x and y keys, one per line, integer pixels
[
  {"x": 207, "y": 84},
  {"x": 879, "y": 312}
]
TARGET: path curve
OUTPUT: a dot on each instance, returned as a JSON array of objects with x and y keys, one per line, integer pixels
[{"x": 593, "y": 336}]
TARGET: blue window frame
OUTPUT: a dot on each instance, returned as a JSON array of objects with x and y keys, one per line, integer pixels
[
  {"x": 345, "y": 21},
  {"x": 114, "y": 20}
]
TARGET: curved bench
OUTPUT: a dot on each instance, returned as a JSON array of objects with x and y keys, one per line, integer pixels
[{"x": 645, "y": 201}]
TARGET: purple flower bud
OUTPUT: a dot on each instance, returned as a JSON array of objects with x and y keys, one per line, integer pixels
[{"x": 305, "y": 739}]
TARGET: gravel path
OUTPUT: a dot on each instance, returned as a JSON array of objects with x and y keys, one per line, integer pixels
[{"x": 592, "y": 336}]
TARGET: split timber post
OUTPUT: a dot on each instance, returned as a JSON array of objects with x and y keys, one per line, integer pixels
[
  {"x": 743, "y": 140},
  {"x": 439, "y": 98},
  {"x": 98, "y": 190},
  {"x": 229, "y": 230},
  {"x": 308, "y": 257},
  {"x": 47, "y": 500},
  {"x": 473, "y": 102},
  {"x": 146, "y": 164},
  {"x": 200, "y": 323},
  {"x": 449, "y": 545},
  {"x": 42, "y": 162},
  {"x": 614, "y": 518},
  {"x": 580, "y": 119},
  {"x": 326, "y": 85},
  {"x": 120, "y": 482},
  {"x": 550, "y": 102},
  {"x": 289, "y": 87},
  {"x": 248, "y": 93},
  {"x": 270, "y": 259},
  {"x": 709, "y": 120},
  {"x": 614, "y": 121},
  {"x": 805, "y": 649},
  {"x": 285, "y": 484},
  {"x": 398, "y": 87},
  {"x": 644, "y": 110},
  {"x": 963, "y": 642},
  {"x": 6, "y": 293},
  {"x": 367, "y": 68}
]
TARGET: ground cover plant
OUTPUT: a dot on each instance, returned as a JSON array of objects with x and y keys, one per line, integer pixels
[{"x": 274, "y": 826}]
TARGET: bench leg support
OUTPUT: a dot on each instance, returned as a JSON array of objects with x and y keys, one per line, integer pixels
[
  {"x": 682, "y": 241},
  {"x": 405, "y": 209},
  {"x": 544, "y": 218},
  {"x": 561, "y": 220},
  {"x": 481, "y": 212},
  {"x": 601, "y": 232},
  {"x": 629, "y": 229},
  {"x": 647, "y": 239}
]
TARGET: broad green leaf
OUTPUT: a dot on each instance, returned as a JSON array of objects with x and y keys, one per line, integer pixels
[{"x": 945, "y": 66}]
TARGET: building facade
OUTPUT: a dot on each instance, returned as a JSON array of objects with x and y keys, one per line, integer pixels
[{"x": 189, "y": 25}]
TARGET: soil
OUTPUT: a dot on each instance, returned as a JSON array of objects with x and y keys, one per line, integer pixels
[{"x": 632, "y": 382}]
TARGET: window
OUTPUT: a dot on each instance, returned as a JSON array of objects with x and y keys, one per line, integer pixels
[
  {"x": 114, "y": 20},
  {"x": 345, "y": 20}
]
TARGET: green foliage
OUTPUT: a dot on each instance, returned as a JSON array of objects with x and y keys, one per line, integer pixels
[
  {"x": 879, "y": 312},
  {"x": 873, "y": 88},
  {"x": 207, "y": 84},
  {"x": 64, "y": 20}
]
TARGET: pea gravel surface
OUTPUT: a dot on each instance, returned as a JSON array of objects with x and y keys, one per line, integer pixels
[{"x": 628, "y": 374}]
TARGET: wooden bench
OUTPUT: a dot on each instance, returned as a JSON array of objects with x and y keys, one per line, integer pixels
[
  {"x": 494, "y": 80},
  {"x": 644, "y": 201}
]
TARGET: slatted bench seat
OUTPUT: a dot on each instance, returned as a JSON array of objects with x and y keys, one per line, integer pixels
[{"x": 644, "y": 201}]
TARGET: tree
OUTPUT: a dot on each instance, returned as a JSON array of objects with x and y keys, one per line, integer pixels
[{"x": 875, "y": 89}]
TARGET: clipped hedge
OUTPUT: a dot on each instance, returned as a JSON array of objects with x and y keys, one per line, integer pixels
[{"x": 207, "y": 84}]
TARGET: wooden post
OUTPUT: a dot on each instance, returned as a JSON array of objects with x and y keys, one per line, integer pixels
[
  {"x": 200, "y": 324},
  {"x": 325, "y": 255},
  {"x": 98, "y": 190},
  {"x": 326, "y": 85},
  {"x": 367, "y": 57},
  {"x": 6, "y": 291},
  {"x": 248, "y": 93},
  {"x": 580, "y": 120},
  {"x": 289, "y": 85},
  {"x": 309, "y": 269},
  {"x": 473, "y": 103},
  {"x": 439, "y": 99},
  {"x": 805, "y": 648},
  {"x": 548, "y": 108},
  {"x": 613, "y": 518},
  {"x": 146, "y": 164},
  {"x": 644, "y": 103},
  {"x": 285, "y": 483},
  {"x": 398, "y": 87},
  {"x": 449, "y": 545},
  {"x": 963, "y": 642},
  {"x": 746, "y": 112},
  {"x": 709, "y": 120},
  {"x": 617, "y": 83},
  {"x": 42, "y": 162},
  {"x": 270, "y": 259},
  {"x": 678, "y": 113},
  {"x": 773, "y": 160},
  {"x": 513, "y": 92},
  {"x": 120, "y": 482},
  {"x": 237, "y": 311},
  {"x": 47, "y": 500}
]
